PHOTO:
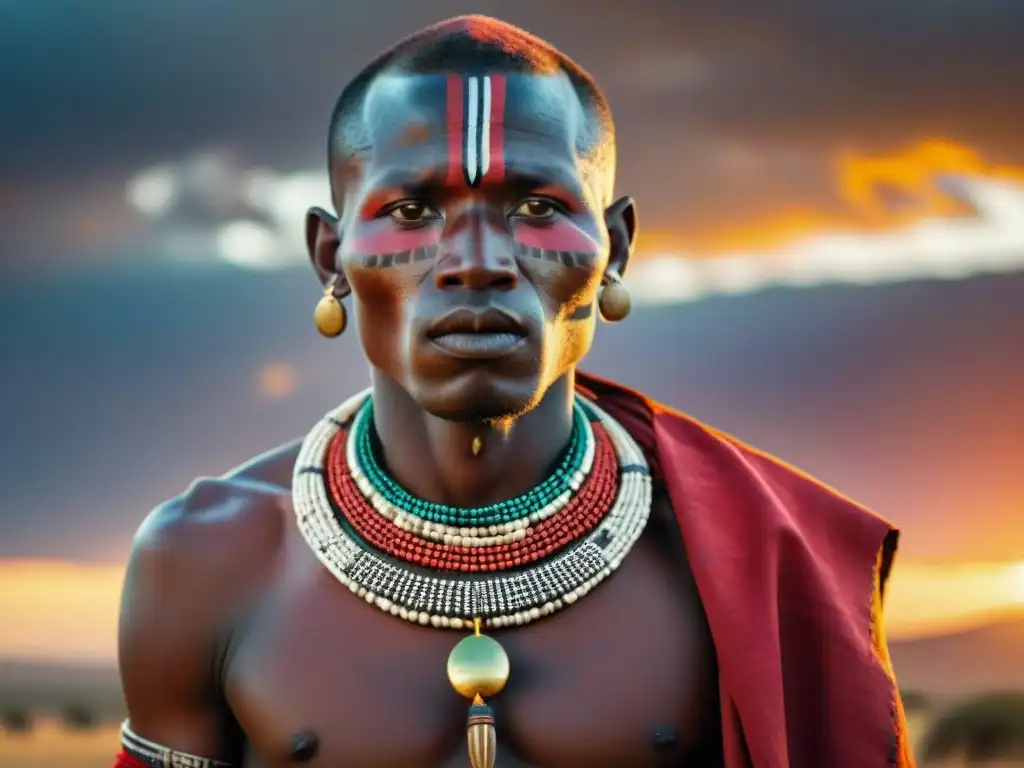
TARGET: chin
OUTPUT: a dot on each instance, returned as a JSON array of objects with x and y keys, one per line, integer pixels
[{"x": 478, "y": 397}]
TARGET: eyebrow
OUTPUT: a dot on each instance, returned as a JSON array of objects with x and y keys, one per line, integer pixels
[{"x": 525, "y": 175}]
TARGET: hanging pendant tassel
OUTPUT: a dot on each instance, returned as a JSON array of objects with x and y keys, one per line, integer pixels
[
  {"x": 480, "y": 735},
  {"x": 477, "y": 667}
]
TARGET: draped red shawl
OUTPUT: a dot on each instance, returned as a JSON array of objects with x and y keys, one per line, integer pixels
[{"x": 791, "y": 576}]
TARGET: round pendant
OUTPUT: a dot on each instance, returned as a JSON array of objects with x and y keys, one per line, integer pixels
[{"x": 478, "y": 666}]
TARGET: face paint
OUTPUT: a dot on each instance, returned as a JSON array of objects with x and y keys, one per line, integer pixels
[
  {"x": 559, "y": 241},
  {"x": 475, "y": 114},
  {"x": 385, "y": 246}
]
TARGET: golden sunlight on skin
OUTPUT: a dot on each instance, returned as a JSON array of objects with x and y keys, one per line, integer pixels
[{"x": 61, "y": 611}]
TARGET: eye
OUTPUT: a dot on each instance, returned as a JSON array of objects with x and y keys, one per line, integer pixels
[
  {"x": 412, "y": 212},
  {"x": 536, "y": 208}
]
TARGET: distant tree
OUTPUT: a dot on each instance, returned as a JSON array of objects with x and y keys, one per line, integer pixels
[
  {"x": 79, "y": 718},
  {"x": 915, "y": 701},
  {"x": 990, "y": 727},
  {"x": 15, "y": 720}
]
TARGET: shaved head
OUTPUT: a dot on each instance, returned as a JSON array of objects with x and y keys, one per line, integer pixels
[
  {"x": 477, "y": 45},
  {"x": 472, "y": 169}
]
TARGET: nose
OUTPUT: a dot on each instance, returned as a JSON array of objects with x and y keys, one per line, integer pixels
[{"x": 474, "y": 256}]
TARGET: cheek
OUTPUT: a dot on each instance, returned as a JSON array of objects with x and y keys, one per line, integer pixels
[
  {"x": 380, "y": 320},
  {"x": 380, "y": 244},
  {"x": 381, "y": 304},
  {"x": 563, "y": 261},
  {"x": 384, "y": 264},
  {"x": 562, "y": 236}
]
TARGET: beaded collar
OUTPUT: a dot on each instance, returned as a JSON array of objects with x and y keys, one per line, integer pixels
[{"x": 499, "y": 566}]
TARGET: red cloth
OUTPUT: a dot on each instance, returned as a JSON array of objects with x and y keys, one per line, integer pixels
[
  {"x": 790, "y": 574},
  {"x": 124, "y": 760}
]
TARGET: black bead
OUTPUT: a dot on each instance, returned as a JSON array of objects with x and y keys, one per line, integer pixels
[
  {"x": 304, "y": 746},
  {"x": 664, "y": 737}
]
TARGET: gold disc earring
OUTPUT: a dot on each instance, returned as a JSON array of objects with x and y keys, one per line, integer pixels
[
  {"x": 614, "y": 301},
  {"x": 330, "y": 316}
]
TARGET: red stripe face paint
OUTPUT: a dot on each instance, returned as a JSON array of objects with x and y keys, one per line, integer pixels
[
  {"x": 560, "y": 242},
  {"x": 493, "y": 162},
  {"x": 454, "y": 109},
  {"x": 559, "y": 235},
  {"x": 475, "y": 117},
  {"x": 381, "y": 244}
]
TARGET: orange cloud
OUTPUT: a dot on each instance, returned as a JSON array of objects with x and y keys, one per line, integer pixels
[{"x": 866, "y": 186}]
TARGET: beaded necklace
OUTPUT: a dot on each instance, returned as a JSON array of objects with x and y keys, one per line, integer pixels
[
  {"x": 467, "y": 569},
  {"x": 538, "y": 534},
  {"x": 566, "y": 476}
]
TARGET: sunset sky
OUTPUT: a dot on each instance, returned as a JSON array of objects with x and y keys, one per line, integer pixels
[{"x": 831, "y": 268}]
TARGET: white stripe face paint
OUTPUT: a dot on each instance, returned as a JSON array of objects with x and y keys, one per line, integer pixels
[
  {"x": 485, "y": 129},
  {"x": 472, "y": 123},
  {"x": 476, "y": 141}
]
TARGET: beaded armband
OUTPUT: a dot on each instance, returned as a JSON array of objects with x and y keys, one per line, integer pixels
[{"x": 137, "y": 752}]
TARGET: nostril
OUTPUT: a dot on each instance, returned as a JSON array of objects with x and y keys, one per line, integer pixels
[
  {"x": 450, "y": 281},
  {"x": 504, "y": 283}
]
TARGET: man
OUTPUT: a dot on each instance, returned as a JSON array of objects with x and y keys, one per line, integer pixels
[{"x": 489, "y": 512}]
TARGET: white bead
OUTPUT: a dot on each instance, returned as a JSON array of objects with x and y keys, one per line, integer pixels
[{"x": 395, "y": 588}]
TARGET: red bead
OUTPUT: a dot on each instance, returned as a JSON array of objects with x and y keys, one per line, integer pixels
[{"x": 588, "y": 507}]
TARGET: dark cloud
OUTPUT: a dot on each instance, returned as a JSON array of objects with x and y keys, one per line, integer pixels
[{"x": 105, "y": 84}]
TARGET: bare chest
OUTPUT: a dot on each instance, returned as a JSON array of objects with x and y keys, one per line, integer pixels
[{"x": 625, "y": 676}]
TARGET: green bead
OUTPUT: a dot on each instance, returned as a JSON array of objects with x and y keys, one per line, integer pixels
[{"x": 502, "y": 512}]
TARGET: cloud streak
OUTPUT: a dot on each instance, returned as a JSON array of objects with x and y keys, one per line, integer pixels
[{"x": 953, "y": 217}]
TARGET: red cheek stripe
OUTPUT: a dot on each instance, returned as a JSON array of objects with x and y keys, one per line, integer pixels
[
  {"x": 383, "y": 237},
  {"x": 561, "y": 235}
]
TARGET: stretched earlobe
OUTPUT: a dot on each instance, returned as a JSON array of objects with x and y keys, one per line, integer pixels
[
  {"x": 621, "y": 222},
  {"x": 323, "y": 242}
]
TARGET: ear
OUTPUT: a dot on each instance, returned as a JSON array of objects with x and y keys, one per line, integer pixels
[
  {"x": 322, "y": 243},
  {"x": 620, "y": 219}
]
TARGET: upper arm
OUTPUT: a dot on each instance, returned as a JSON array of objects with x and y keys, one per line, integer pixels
[{"x": 168, "y": 637}]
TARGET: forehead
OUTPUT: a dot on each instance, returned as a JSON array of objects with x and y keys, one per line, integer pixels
[{"x": 513, "y": 119}]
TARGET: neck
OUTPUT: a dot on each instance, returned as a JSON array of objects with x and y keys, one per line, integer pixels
[{"x": 433, "y": 458}]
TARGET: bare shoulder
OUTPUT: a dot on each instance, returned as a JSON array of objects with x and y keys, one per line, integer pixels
[
  {"x": 197, "y": 560},
  {"x": 218, "y": 526}
]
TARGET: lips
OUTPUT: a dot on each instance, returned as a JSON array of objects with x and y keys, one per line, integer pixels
[
  {"x": 470, "y": 322},
  {"x": 482, "y": 334}
]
